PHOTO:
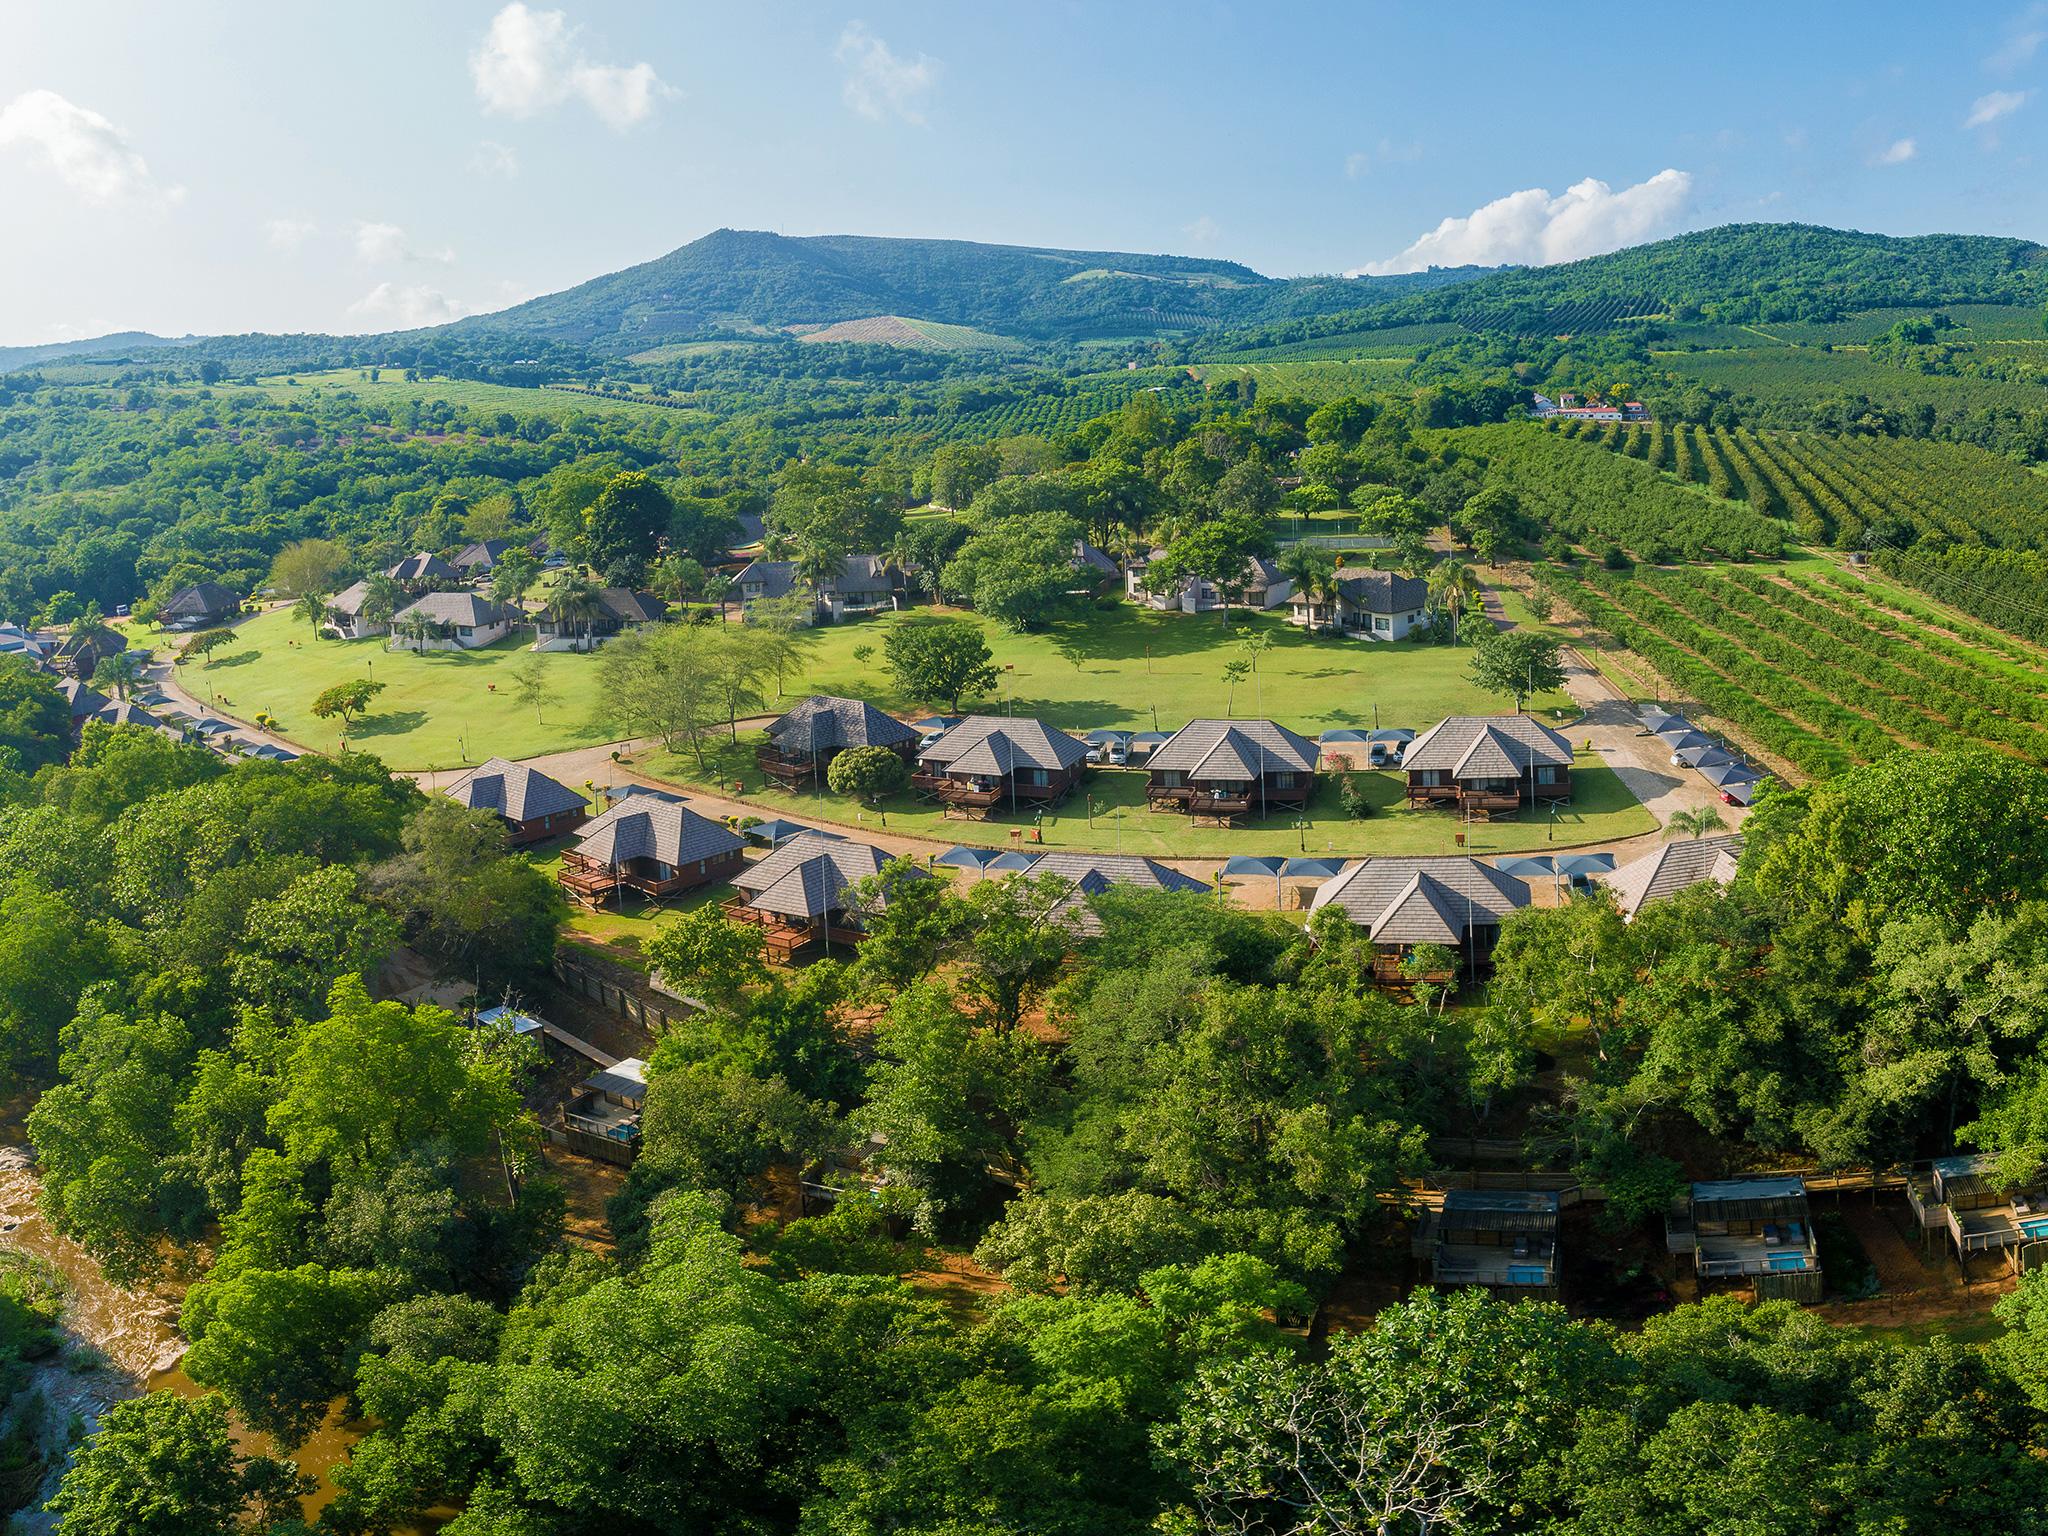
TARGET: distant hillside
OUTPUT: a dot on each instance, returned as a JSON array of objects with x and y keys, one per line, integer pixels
[
  {"x": 1749, "y": 272},
  {"x": 112, "y": 345},
  {"x": 741, "y": 282},
  {"x": 904, "y": 331}
]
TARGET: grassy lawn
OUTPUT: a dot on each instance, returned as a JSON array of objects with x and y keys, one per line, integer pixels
[
  {"x": 1118, "y": 666},
  {"x": 437, "y": 710},
  {"x": 1603, "y": 810},
  {"x": 1131, "y": 668},
  {"x": 392, "y": 389},
  {"x": 631, "y": 920}
]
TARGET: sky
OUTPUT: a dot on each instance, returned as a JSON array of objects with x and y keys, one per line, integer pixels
[{"x": 208, "y": 166}]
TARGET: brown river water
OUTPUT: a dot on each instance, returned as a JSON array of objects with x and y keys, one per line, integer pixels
[{"x": 137, "y": 1333}]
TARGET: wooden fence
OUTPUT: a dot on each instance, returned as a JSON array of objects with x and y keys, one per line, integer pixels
[{"x": 629, "y": 1002}]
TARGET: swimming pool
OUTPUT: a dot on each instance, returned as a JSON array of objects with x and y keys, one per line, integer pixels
[
  {"x": 1528, "y": 1274},
  {"x": 1787, "y": 1261},
  {"x": 2034, "y": 1226}
]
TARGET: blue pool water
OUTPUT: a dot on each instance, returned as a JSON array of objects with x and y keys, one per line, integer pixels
[
  {"x": 1527, "y": 1274},
  {"x": 1788, "y": 1261},
  {"x": 2035, "y": 1226}
]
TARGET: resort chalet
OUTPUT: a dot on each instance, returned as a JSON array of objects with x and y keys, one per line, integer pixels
[
  {"x": 421, "y": 570},
  {"x": 1675, "y": 867},
  {"x": 802, "y": 744},
  {"x": 614, "y": 611},
  {"x": 656, "y": 847},
  {"x": 203, "y": 605},
  {"x": 1756, "y": 1229},
  {"x": 457, "y": 621},
  {"x": 1487, "y": 764},
  {"x": 1090, "y": 874},
  {"x": 1452, "y": 903},
  {"x": 799, "y": 895},
  {"x": 475, "y": 562},
  {"x": 533, "y": 806},
  {"x": 602, "y": 1117},
  {"x": 345, "y": 614},
  {"x": 1504, "y": 1240},
  {"x": 1226, "y": 768},
  {"x": 1261, "y": 586},
  {"x": 991, "y": 762},
  {"x": 864, "y": 584},
  {"x": 1377, "y": 605},
  {"x": 1981, "y": 1213}
]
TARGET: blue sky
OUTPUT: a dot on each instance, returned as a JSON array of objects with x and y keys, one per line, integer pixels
[{"x": 214, "y": 167}]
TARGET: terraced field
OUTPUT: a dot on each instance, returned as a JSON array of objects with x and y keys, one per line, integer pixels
[{"x": 1817, "y": 666}]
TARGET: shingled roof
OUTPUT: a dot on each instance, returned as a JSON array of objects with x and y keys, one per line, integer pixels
[
  {"x": 995, "y": 746},
  {"x": 513, "y": 791},
  {"x": 1379, "y": 591},
  {"x": 201, "y": 600},
  {"x": 808, "y": 876},
  {"x": 483, "y": 555},
  {"x": 1093, "y": 873},
  {"x": 1673, "y": 868},
  {"x": 646, "y": 828},
  {"x": 1233, "y": 750},
  {"x": 1487, "y": 747},
  {"x": 857, "y": 574},
  {"x": 1422, "y": 901},
  {"x": 458, "y": 609},
  {"x": 823, "y": 724},
  {"x": 422, "y": 567}
]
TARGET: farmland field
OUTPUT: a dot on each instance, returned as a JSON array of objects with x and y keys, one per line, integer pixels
[
  {"x": 393, "y": 389},
  {"x": 1313, "y": 380},
  {"x": 1817, "y": 666}
]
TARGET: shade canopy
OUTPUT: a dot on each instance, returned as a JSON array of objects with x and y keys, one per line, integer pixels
[
  {"x": 962, "y": 857},
  {"x": 1523, "y": 868},
  {"x": 777, "y": 831},
  {"x": 1150, "y": 738},
  {"x": 1253, "y": 864},
  {"x": 1310, "y": 869},
  {"x": 1704, "y": 757},
  {"x": 1011, "y": 859},
  {"x": 1580, "y": 865},
  {"x": 1330, "y": 738},
  {"x": 1396, "y": 734},
  {"x": 1721, "y": 775},
  {"x": 937, "y": 722},
  {"x": 1678, "y": 741},
  {"x": 1655, "y": 720},
  {"x": 1103, "y": 738}
]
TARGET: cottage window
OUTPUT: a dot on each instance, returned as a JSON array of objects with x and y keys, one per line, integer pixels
[
  {"x": 1382, "y": 624},
  {"x": 1548, "y": 773}
]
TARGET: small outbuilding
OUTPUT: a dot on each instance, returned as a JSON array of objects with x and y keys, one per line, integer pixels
[
  {"x": 1757, "y": 1230},
  {"x": 1500, "y": 1240},
  {"x": 803, "y": 742},
  {"x": 655, "y": 847},
  {"x": 203, "y": 605}
]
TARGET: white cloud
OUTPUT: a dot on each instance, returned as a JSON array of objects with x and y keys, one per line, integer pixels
[
  {"x": 2024, "y": 36},
  {"x": 288, "y": 234},
  {"x": 494, "y": 159},
  {"x": 1203, "y": 231},
  {"x": 1989, "y": 108},
  {"x": 87, "y": 152},
  {"x": 529, "y": 63},
  {"x": 1532, "y": 228},
  {"x": 1898, "y": 152},
  {"x": 382, "y": 244},
  {"x": 1386, "y": 152},
  {"x": 878, "y": 83},
  {"x": 406, "y": 307}
]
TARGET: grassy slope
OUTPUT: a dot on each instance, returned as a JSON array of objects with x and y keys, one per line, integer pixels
[
  {"x": 433, "y": 707},
  {"x": 393, "y": 390}
]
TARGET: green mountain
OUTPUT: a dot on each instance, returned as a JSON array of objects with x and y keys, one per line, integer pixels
[
  {"x": 1747, "y": 273},
  {"x": 113, "y": 345},
  {"x": 740, "y": 282}
]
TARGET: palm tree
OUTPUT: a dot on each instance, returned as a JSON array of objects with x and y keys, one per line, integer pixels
[
  {"x": 90, "y": 627},
  {"x": 416, "y": 627},
  {"x": 1451, "y": 584},
  {"x": 382, "y": 597},
  {"x": 816, "y": 564},
  {"x": 312, "y": 607},
  {"x": 120, "y": 674},
  {"x": 1695, "y": 824},
  {"x": 575, "y": 602},
  {"x": 717, "y": 587},
  {"x": 1313, "y": 571},
  {"x": 515, "y": 575}
]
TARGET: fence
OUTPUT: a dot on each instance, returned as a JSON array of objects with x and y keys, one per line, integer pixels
[{"x": 651, "y": 1016}]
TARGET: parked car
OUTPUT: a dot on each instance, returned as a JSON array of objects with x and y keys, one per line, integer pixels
[{"x": 1117, "y": 753}]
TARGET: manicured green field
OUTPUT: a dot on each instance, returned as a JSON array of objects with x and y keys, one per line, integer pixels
[
  {"x": 438, "y": 710},
  {"x": 1109, "y": 815},
  {"x": 1321, "y": 379},
  {"x": 1129, "y": 668},
  {"x": 1117, "y": 666}
]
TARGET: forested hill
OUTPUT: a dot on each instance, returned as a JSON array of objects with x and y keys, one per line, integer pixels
[
  {"x": 1738, "y": 273},
  {"x": 743, "y": 281}
]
